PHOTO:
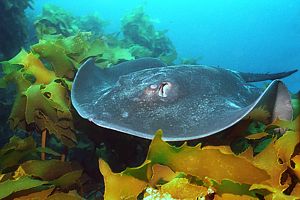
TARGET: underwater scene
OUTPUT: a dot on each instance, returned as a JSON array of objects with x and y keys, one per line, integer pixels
[{"x": 150, "y": 100}]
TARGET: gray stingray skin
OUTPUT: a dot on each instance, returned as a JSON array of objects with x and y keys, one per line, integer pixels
[{"x": 186, "y": 101}]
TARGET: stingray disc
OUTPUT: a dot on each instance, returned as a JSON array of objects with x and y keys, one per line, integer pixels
[{"x": 185, "y": 101}]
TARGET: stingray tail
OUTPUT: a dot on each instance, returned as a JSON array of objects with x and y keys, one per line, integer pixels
[{"x": 252, "y": 77}]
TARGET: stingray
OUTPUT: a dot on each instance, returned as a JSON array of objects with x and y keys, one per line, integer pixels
[{"x": 186, "y": 101}]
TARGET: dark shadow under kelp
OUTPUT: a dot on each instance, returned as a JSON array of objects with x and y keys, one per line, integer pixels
[{"x": 13, "y": 28}]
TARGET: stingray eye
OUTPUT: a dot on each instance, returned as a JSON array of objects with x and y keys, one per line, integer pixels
[{"x": 164, "y": 89}]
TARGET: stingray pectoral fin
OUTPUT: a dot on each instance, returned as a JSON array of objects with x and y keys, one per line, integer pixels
[
  {"x": 253, "y": 77},
  {"x": 88, "y": 81},
  {"x": 277, "y": 101}
]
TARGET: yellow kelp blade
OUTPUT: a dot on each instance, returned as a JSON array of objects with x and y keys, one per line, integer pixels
[
  {"x": 292, "y": 125},
  {"x": 286, "y": 144},
  {"x": 32, "y": 65},
  {"x": 56, "y": 56},
  {"x": 275, "y": 193},
  {"x": 177, "y": 188},
  {"x": 161, "y": 173},
  {"x": 233, "y": 196},
  {"x": 296, "y": 167},
  {"x": 212, "y": 163},
  {"x": 120, "y": 186},
  {"x": 275, "y": 159},
  {"x": 191, "y": 172},
  {"x": 180, "y": 188}
]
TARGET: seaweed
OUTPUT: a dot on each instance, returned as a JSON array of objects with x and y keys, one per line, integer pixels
[
  {"x": 296, "y": 104},
  {"x": 42, "y": 101},
  {"x": 253, "y": 160},
  {"x": 267, "y": 168},
  {"x": 138, "y": 29},
  {"x": 92, "y": 23},
  {"x": 23, "y": 176},
  {"x": 56, "y": 21},
  {"x": 144, "y": 41},
  {"x": 44, "y": 77},
  {"x": 213, "y": 172}
]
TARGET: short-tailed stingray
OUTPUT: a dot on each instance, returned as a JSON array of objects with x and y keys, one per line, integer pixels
[{"x": 186, "y": 101}]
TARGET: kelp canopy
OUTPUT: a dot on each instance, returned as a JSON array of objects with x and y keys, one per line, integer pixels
[
  {"x": 138, "y": 29},
  {"x": 56, "y": 21},
  {"x": 254, "y": 160}
]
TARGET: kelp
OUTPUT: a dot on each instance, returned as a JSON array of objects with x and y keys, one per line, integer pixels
[
  {"x": 11, "y": 186},
  {"x": 73, "y": 50},
  {"x": 22, "y": 175},
  {"x": 214, "y": 172},
  {"x": 56, "y": 21},
  {"x": 44, "y": 77},
  {"x": 296, "y": 104},
  {"x": 16, "y": 151},
  {"x": 141, "y": 39},
  {"x": 42, "y": 99},
  {"x": 27, "y": 187},
  {"x": 92, "y": 23},
  {"x": 257, "y": 160},
  {"x": 138, "y": 29}
]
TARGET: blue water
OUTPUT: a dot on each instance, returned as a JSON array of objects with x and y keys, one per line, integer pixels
[{"x": 245, "y": 35}]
